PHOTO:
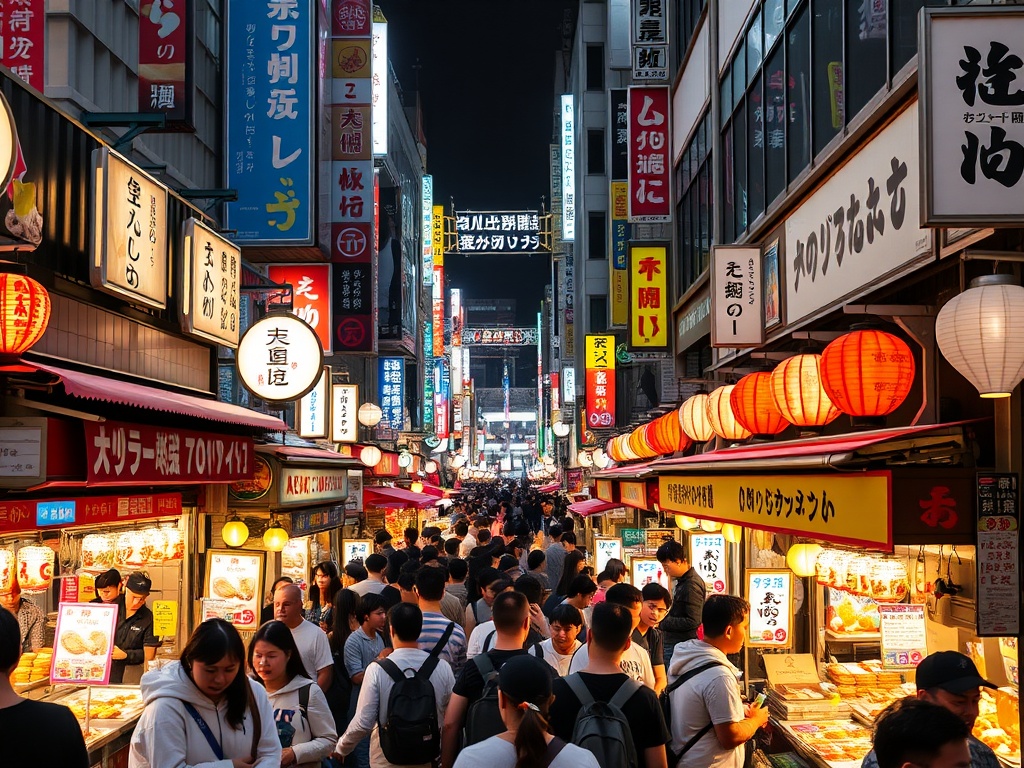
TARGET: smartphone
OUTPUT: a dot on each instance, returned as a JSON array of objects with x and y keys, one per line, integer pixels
[{"x": 761, "y": 699}]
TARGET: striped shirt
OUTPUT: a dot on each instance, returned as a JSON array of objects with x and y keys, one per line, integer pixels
[{"x": 434, "y": 625}]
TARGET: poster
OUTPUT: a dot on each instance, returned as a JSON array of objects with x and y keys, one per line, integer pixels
[
  {"x": 83, "y": 643},
  {"x": 295, "y": 561},
  {"x": 770, "y": 594},
  {"x": 165, "y": 618},
  {"x": 997, "y": 555},
  {"x": 658, "y": 536},
  {"x": 234, "y": 578},
  {"x": 904, "y": 636},
  {"x": 646, "y": 570},
  {"x": 707, "y": 555},
  {"x": 355, "y": 549},
  {"x": 605, "y": 549}
]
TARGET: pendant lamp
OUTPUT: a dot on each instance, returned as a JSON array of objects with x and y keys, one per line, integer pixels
[
  {"x": 867, "y": 373},
  {"x": 693, "y": 418},
  {"x": 721, "y": 417},
  {"x": 754, "y": 406},
  {"x": 798, "y": 393}
]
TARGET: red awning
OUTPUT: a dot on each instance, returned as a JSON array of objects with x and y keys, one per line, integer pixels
[
  {"x": 91, "y": 387},
  {"x": 386, "y": 496},
  {"x": 592, "y": 507},
  {"x": 628, "y": 471},
  {"x": 549, "y": 488},
  {"x": 433, "y": 491}
]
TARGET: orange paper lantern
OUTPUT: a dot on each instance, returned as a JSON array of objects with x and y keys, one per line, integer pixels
[
  {"x": 638, "y": 444},
  {"x": 867, "y": 373},
  {"x": 668, "y": 434},
  {"x": 798, "y": 393},
  {"x": 24, "y": 313},
  {"x": 693, "y": 418},
  {"x": 754, "y": 407},
  {"x": 720, "y": 415}
]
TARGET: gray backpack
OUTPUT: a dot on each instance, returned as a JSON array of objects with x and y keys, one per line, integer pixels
[{"x": 601, "y": 727}]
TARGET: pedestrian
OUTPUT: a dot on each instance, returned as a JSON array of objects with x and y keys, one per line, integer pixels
[
  {"x": 353, "y": 573},
  {"x": 267, "y": 612},
  {"x": 134, "y": 641},
  {"x": 405, "y": 622},
  {"x": 314, "y": 648},
  {"x": 634, "y": 660},
  {"x": 704, "y": 694},
  {"x": 684, "y": 616},
  {"x": 565, "y": 623},
  {"x": 482, "y": 637},
  {"x": 572, "y": 567},
  {"x": 305, "y": 725},
  {"x": 554, "y": 553},
  {"x": 429, "y": 589},
  {"x": 614, "y": 573},
  {"x": 457, "y": 572},
  {"x": 324, "y": 585},
  {"x": 914, "y": 733},
  {"x": 374, "y": 582},
  {"x": 203, "y": 708},
  {"x": 535, "y": 564},
  {"x": 492, "y": 583},
  {"x": 657, "y": 602},
  {"x": 363, "y": 647},
  {"x": 30, "y": 616},
  {"x": 524, "y": 700},
  {"x": 382, "y": 541},
  {"x": 37, "y": 733},
  {"x": 340, "y": 696}
]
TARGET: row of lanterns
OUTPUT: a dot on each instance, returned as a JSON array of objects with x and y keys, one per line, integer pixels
[{"x": 866, "y": 374}]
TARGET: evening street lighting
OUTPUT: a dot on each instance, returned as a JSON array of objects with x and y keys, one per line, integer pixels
[
  {"x": 430, "y": 467},
  {"x": 584, "y": 459},
  {"x": 369, "y": 414},
  {"x": 561, "y": 429},
  {"x": 370, "y": 455},
  {"x": 235, "y": 532},
  {"x": 416, "y": 486},
  {"x": 405, "y": 459},
  {"x": 275, "y": 536}
]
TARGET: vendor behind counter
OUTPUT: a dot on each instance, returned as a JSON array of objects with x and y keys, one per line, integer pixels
[{"x": 134, "y": 641}]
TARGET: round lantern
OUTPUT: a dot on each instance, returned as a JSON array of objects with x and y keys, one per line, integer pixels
[
  {"x": 369, "y": 414},
  {"x": 8, "y": 569},
  {"x": 668, "y": 434},
  {"x": 801, "y": 558},
  {"x": 710, "y": 526},
  {"x": 370, "y": 455},
  {"x": 584, "y": 459},
  {"x": 275, "y": 537},
  {"x": 626, "y": 449},
  {"x": 693, "y": 418},
  {"x": 600, "y": 458},
  {"x": 798, "y": 393},
  {"x": 867, "y": 374},
  {"x": 235, "y": 532},
  {"x": 416, "y": 486},
  {"x": 685, "y": 522},
  {"x": 35, "y": 568},
  {"x": 981, "y": 333},
  {"x": 754, "y": 407},
  {"x": 405, "y": 459},
  {"x": 24, "y": 313},
  {"x": 639, "y": 445},
  {"x": 733, "y": 533},
  {"x": 720, "y": 416},
  {"x": 430, "y": 467}
]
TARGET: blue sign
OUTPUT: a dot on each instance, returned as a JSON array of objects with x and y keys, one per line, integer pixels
[
  {"x": 428, "y": 380},
  {"x": 270, "y": 62},
  {"x": 391, "y": 385},
  {"x": 314, "y": 520},
  {"x": 55, "y": 512}
]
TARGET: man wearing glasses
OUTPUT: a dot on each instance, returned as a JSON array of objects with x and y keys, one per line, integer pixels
[
  {"x": 657, "y": 601},
  {"x": 134, "y": 641}
]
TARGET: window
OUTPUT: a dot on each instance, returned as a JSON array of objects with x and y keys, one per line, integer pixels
[
  {"x": 687, "y": 14},
  {"x": 867, "y": 28},
  {"x": 827, "y": 79},
  {"x": 595, "y": 151},
  {"x": 598, "y": 306},
  {"x": 693, "y": 209},
  {"x": 595, "y": 67},
  {"x": 597, "y": 235},
  {"x": 798, "y": 70},
  {"x": 774, "y": 125}
]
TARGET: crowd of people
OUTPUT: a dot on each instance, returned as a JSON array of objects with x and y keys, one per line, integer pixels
[{"x": 492, "y": 643}]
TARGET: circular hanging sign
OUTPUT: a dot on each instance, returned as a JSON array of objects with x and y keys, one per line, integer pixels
[
  {"x": 432, "y": 441},
  {"x": 279, "y": 358}
]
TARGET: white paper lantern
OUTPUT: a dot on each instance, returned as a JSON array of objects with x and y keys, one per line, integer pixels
[
  {"x": 981, "y": 333},
  {"x": 7, "y": 571},
  {"x": 35, "y": 568}
]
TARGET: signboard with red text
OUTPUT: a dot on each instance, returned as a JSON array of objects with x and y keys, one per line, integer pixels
[{"x": 650, "y": 198}]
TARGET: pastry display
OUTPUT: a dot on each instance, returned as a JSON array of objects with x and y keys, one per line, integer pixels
[
  {"x": 76, "y": 645},
  {"x": 242, "y": 589},
  {"x": 32, "y": 667},
  {"x": 848, "y": 613},
  {"x": 998, "y": 723},
  {"x": 106, "y": 703},
  {"x": 97, "y": 552},
  {"x": 835, "y": 741}
]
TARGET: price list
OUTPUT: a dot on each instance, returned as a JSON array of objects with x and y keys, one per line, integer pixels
[{"x": 997, "y": 555}]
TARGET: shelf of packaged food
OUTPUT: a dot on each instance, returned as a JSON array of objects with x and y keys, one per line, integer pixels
[{"x": 829, "y": 743}]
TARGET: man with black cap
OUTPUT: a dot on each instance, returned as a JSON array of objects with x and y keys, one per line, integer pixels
[
  {"x": 134, "y": 641},
  {"x": 951, "y": 680}
]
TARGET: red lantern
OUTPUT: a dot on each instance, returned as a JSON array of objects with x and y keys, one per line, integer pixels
[
  {"x": 720, "y": 414},
  {"x": 867, "y": 373},
  {"x": 669, "y": 434},
  {"x": 754, "y": 407},
  {"x": 798, "y": 393},
  {"x": 24, "y": 313}
]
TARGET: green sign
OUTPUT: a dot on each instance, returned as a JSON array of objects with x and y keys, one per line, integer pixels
[{"x": 633, "y": 537}]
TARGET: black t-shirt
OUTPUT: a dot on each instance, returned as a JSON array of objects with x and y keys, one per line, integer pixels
[
  {"x": 133, "y": 634},
  {"x": 471, "y": 684},
  {"x": 48, "y": 736},
  {"x": 652, "y": 643},
  {"x": 642, "y": 710}
]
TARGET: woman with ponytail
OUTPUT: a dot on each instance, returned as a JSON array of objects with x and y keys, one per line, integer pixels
[{"x": 524, "y": 695}]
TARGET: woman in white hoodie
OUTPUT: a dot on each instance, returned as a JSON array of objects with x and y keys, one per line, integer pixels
[
  {"x": 305, "y": 724},
  {"x": 203, "y": 712}
]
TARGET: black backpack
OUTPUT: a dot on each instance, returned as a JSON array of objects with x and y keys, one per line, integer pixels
[
  {"x": 532, "y": 643},
  {"x": 339, "y": 693},
  {"x": 412, "y": 734},
  {"x": 601, "y": 727},
  {"x": 666, "y": 709},
  {"x": 483, "y": 719}
]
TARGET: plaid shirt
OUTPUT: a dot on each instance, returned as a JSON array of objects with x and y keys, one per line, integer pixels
[{"x": 32, "y": 621}]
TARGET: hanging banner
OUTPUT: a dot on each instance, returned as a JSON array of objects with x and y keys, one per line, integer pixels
[
  {"x": 618, "y": 264},
  {"x": 437, "y": 238},
  {"x": 648, "y": 297},
  {"x": 649, "y": 166},
  {"x": 600, "y": 362},
  {"x": 736, "y": 296},
  {"x": 442, "y": 398},
  {"x": 344, "y": 404},
  {"x": 437, "y": 310},
  {"x": 428, "y": 378},
  {"x": 427, "y": 228},
  {"x": 707, "y": 555},
  {"x": 210, "y": 285},
  {"x": 568, "y": 169},
  {"x": 313, "y": 409},
  {"x": 311, "y": 295},
  {"x": 166, "y": 35},
  {"x": 24, "y": 40},
  {"x": 998, "y": 555},
  {"x": 391, "y": 382},
  {"x": 770, "y": 594}
]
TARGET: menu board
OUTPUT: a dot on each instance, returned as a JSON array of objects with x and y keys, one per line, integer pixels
[
  {"x": 83, "y": 643},
  {"x": 606, "y": 548},
  {"x": 658, "y": 536},
  {"x": 295, "y": 561},
  {"x": 707, "y": 555},
  {"x": 646, "y": 570},
  {"x": 997, "y": 555},
  {"x": 904, "y": 635},
  {"x": 633, "y": 537},
  {"x": 234, "y": 578},
  {"x": 770, "y": 594},
  {"x": 355, "y": 549}
]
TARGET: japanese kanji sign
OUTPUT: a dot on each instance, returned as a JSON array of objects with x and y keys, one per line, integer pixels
[
  {"x": 313, "y": 408},
  {"x": 344, "y": 405},
  {"x": 567, "y": 130},
  {"x": 380, "y": 83},
  {"x": 391, "y": 384},
  {"x": 971, "y": 85},
  {"x": 210, "y": 293},
  {"x": 618, "y": 105},
  {"x": 498, "y": 232},
  {"x": 23, "y": 39},
  {"x": 129, "y": 249},
  {"x": 859, "y": 226},
  {"x": 770, "y": 594},
  {"x": 600, "y": 362},
  {"x": 279, "y": 358},
  {"x": 442, "y": 397},
  {"x": 269, "y": 68},
  {"x": 165, "y": 60},
  {"x": 846, "y": 509},
  {"x": 998, "y": 555},
  {"x": 648, "y": 297},
  {"x": 311, "y": 295},
  {"x": 427, "y": 228},
  {"x": 707, "y": 555},
  {"x": 618, "y": 263},
  {"x": 649, "y": 165},
  {"x": 437, "y": 309},
  {"x": 499, "y": 336},
  {"x": 23, "y": 515},
  {"x": 650, "y": 40},
  {"x": 736, "y": 296},
  {"x": 128, "y": 454}
]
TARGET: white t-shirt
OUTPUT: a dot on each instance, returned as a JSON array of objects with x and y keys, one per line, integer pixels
[
  {"x": 468, "y": 545},
  {"x": 715, "y": 693},
  {"x": 635, "y": 662},
  {"x": 368, "y": 586},
  {"x": 559, "y": 662},
  {"x": 480, "y": 632},
  {"x": 495, "y": 752},
  {"x": 314, "y": 647}
]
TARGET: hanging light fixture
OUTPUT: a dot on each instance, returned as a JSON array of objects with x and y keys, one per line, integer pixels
[
  {"x": 600, "y": 458},
  {"x": 275, "y": 537},
  {"x": 235, "y": 532},
  {"x": 801, "y": 558},
  {"x": 686, "y": 523},
  {"x": 640, "y": 444},
  {"x": 370, "y": 455},
  {"x": 733, "y": 533},
  {"x": 416, "y": 486},
  {"x": 24, "y": 313},
  {"x": 753, "y": 405},
  {"x": 981, "y": 333},
  {"x": 710, "y": 526},
  {"x": 430, "y": 467},
  {"x": 867, "y": 373},
  {"x": 721, "y": 417},
  {"x": 798, "y": 393},
  {"x": 584, "y": 459},
  {"x": 561, "y": 429},
  {"x": 405, "y": 459},
  {"x": 693, "y": 418},
  {"x": 369, "y": 414}
]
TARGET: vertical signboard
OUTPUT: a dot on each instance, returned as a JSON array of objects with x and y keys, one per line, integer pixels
[
  {"x": 311, "y": 295},
  {"x": 391, "y": 382},
  {"x": 618, "y": 263},
  {"x": 618, "y": 102},
  {"x": 569, "y": 299},
  {"x": 568, "y": 169},
  {"x": 600, "y": 362},
  {"x": 269, "y": 108},
  {"x": 998, "y": 555},
  {"x": 427, "y": 228},
  {"x": 166, "y": 34},
  {"x": 437, "y": 309},
  {"x": 707, "y": 555},
  {"x": 736, "y": 297},
  {"x": 770, "y": 594},
  {"x": 649, "y": 166},
  {"x": 210, "y": 284},
  {"x": 312, "y": 413},
  {"x": 540, "y": 375},
  {"x": 650, "y": 40},
  {"x": 648, "y": 297},
  {"x": 442, "y": 398},
  {"x": 428, "y": 378},
  {"x": 24, "y": 40},
  {"x": 344, "y": 404},
  {"x": 569, "y": 385},
  {"x": 381, "y": 83}
]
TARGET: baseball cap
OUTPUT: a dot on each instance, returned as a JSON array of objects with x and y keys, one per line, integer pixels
[
  {"x": 950, "y": 671},
  {"x": 525, "y": 678},
  {"x": 139, "y": 583},
  {"x": 382, "y": 537}
]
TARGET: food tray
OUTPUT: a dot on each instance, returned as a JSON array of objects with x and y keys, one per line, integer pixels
[
  {"x": 125, "y": 701},
  {"x": 838, "y": 743}
]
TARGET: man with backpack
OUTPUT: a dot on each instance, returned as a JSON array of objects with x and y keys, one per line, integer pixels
[
  {"x": 402, "y": 699},
  {"x": 429, "y": 591},
  {"x": 634, "y": 660},
  {"x": 709, "y": 723},
  {"x": 602, "y": 708},
  {"x": 473, "y": 710}
]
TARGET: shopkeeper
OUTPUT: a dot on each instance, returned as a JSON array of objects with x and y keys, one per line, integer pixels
[
  {"x": 107, "y": 586},
  {"x": 134, "y": 642}
]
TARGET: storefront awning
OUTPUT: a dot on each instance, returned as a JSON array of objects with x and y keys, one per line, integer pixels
[
  {"x": 386, "y": 496},
  {"x": 592, "y": 507},
  {"x": 433, "y": 491},
  {"x": 91, "y": 387},
  {"x": 629, "y": 471},
  {"x": 311, "y": 455},
  {"x": 549, "y": 488}
]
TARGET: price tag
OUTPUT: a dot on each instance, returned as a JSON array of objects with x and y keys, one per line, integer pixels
[
  {"x": 904, "y": 635},
  {"x": 165, "y": 618},
  {"x": 770, "y": 594}
]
